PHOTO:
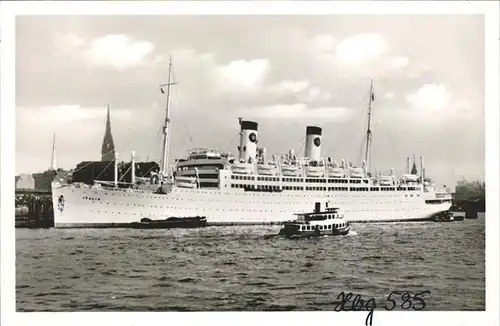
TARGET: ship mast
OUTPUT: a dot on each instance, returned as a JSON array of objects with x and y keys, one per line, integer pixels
[
  {"x": 166, "y": 129},
  {"x": 368, "y": 129},
  {"x": 53, "y": 164}
]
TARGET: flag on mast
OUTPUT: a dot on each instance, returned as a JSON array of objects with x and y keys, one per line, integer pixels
[
  {"x": 161, "y": 90},
  {"x": 373, "y": 97}
]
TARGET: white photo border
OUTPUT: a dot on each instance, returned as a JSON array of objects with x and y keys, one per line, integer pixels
[{"x": 9, "y": 10}]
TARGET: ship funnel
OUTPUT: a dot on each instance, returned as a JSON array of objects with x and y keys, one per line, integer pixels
[
  {"x": 313, "y": 143},
  {"x": 317, "y": 207},
  {"x": 248, "y": 141},
  {"x": 408, "y": 165},
  {"x": 342, "y": 164}
]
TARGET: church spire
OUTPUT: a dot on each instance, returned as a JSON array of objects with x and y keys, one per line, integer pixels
[
  {"x": 414, "y": 170},
  {"x": 108, "y": 146}
]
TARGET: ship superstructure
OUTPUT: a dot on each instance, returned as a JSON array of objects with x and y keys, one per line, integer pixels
[{"x": 252, "y": 188}]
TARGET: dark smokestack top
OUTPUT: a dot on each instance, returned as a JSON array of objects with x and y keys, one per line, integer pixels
[
  {"x": 311, "y": 130},
  {"x": 249, "y": 125}
]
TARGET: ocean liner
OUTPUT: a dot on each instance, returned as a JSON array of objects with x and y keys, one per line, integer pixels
[{"x": 250, "y": 188}]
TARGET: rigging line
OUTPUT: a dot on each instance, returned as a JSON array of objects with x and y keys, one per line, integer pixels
[
  {"x": 231, "y": 141},
  {"x": 361, "y": 148},
  {"x": 303, "y": 144},
  {"x": 104, "y": 169},
  {"x": 89, "y": 163},
  {"x": 124, "y": 173},
  {"x": 149, "y": 170},
  {"x": 183, "y": 151},
  {"x": 394, "y": 150},
  {"x": 106, "y": 153},
  {"x": 181, "y": 107}
]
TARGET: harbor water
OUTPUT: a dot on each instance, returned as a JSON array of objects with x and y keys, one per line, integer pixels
[{"x": 248, "y": 268}]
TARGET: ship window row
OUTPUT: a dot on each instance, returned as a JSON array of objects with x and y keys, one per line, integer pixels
[
  {"x": 310, "y": 188},
  {"x": 217, "y": 193},
  {"x": 321, "y": 227},
  {"x": 292, "y": 188},
  {"x": 288, "y": 179},
  {"x": 306, "y": 180},
  {"x": 241, "y": 210},
  {"x": 338, "y": 181},
  {"x": 316, "y": 188},
  {"x": 359, "y": 189},
  {"x": 408, "y": 189},
  {"x": 328, "y": 217},
  {"x": 338, "y": 188},
  {"x": 241, "y": 177},
  {"x": 274, "y": 179}
]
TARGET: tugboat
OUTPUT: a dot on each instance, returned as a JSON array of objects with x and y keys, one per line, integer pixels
[
  {"x": 171, "y": 223},
  {"x": 320, "y": 222}
]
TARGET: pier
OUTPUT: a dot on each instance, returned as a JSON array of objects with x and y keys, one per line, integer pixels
[{"x": 33, "y": 209}]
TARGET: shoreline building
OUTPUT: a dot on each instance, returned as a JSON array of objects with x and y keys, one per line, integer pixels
[{"x": 88, "y": 171}]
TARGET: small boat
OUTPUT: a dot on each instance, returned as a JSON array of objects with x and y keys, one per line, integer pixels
[
  {"x": 457, "y": 212},
  {"x": 327, "y": 221},
  {"x": 171, "y": 222},
  {"x": 444, "y": 217}
]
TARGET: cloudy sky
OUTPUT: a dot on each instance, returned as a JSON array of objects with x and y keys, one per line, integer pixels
[{"x": 284, "y": 72}]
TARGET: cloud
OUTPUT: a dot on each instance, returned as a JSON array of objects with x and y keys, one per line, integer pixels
[
  {"x": 203, "y": 74},
  {"x": 324, "y": 42},
  {"x": 67, "y": 42},
  {"x": 300, "y": 111},
  {"x": 79, "y": 133},
  {"x": 66, "y": 114},
  {"x": 293, "y": 86},
  {"x": 362, "y": 56},
  {"x": 242, "y": 74},
  {"x": 278, "y": 69},
  {"x": 301, "y": 90},
  {"x": 400, "y": 62},
  {"x": 430, "y": 97},
  {"x": 118, "y": 51},
  {"x": 361, "y": 48}
]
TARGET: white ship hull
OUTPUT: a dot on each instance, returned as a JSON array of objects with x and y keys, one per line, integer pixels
[{"x": 100, "y": 207}]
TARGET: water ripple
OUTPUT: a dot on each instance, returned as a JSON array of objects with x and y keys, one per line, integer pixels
[{"x": 247, "y": 268}]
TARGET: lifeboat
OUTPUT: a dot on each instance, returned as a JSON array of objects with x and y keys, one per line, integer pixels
[
  {"x": 186, "y": 182},
  {"x": 290, "y": 170},
  {"x": 268, "y": 169},
  {"x": 242, "y": 168},
  {"x": 385, "y": 180},
  {"x": 336, "y": 172},
  {"x": 314, "y": 169},
  {"x": 357, "y": 173},
  {"x": 410, "y": 177}
]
